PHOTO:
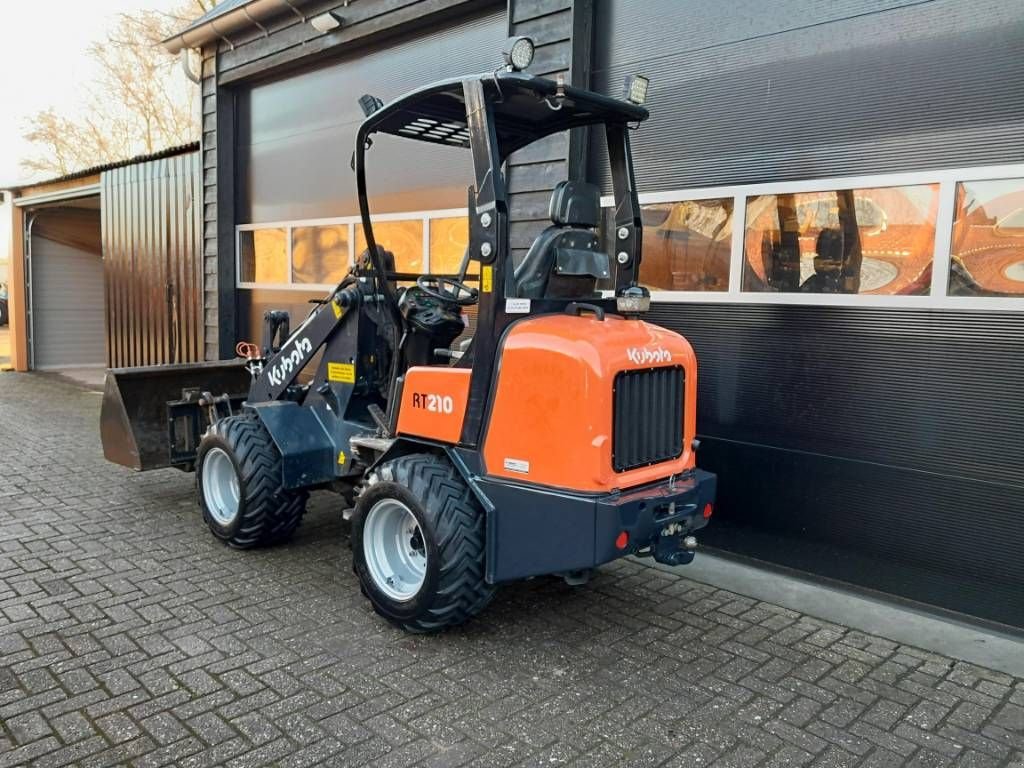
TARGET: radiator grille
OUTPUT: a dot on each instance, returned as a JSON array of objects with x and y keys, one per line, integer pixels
[{"x": 647, "y": 423}]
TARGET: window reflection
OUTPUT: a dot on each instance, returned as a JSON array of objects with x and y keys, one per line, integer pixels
[
  {"x": 263, "y": 256},
  {"x": 987, "y": 253},
  {"x": 449, "y": 238},
  {"x": 866, "y": 241},
  {"x": 687, "y": 244},
  {"x": 403, "y": 238},
  {"x": 319, "y": 254}
]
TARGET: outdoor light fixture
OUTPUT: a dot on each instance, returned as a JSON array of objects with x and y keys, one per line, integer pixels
[
  {"x": 325, "y": 22},
  {"x": 519, "y": 54},
  {"x": 369, "y": 104},
  {"x": 636, "y": 89}
]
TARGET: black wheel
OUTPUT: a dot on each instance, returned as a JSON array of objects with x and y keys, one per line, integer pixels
[
  {"x": 238, "y": 478},
  {"x": 418, "y": 544}
]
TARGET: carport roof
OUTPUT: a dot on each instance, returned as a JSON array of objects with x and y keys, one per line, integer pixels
[{"x": 181, "y": 149}]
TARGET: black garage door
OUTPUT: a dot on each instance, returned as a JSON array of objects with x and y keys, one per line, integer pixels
[
  {"x": 296, "y": 134},
  {"x": 874, "y": 444},
  {"x": 295, "y": 142}
]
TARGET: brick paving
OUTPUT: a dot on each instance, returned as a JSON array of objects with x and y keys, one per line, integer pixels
[{"x": 129, "y": 636}]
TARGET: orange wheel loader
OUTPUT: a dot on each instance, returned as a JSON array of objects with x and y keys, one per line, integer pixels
[{"x": 560, "y": 438}]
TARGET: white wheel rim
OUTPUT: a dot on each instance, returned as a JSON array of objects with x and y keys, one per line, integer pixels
[
  {"x": 394, "y": 549},
  {"x": 220, "y": 486}
]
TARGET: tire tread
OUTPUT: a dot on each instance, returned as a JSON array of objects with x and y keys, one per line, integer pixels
[
  {"x": 461, "y": 537},
  {"x": 271, "y": 513}
]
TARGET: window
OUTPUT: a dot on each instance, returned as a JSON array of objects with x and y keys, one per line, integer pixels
[
  {"x": 403, "y": 238},
  {"x": 311, "y": 255},
  {"x": 263, "y": 256},
  {"x": 863, "y": 241},
  {"x": 987, "y": 245},
  {"x": 319, "y": 254},
  {"x": 687, "y": 245},
  {"x": 449, "y": 238}
]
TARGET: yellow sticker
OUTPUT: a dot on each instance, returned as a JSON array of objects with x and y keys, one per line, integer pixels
[
  {"x": 486, "y": 279},
  {"x": 342, "y": 372},
  {"x": 337, "y": 309},
  {"x": 341, "y": 457}
]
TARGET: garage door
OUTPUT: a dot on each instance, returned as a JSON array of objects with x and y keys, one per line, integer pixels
[
  {"x": 296, "y": 134},
  {"x": 801, "y": 89},
  {"x": 67, "y": 306}
]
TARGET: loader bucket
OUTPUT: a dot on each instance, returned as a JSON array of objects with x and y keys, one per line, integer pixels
[{"x": 133, "y": 418}]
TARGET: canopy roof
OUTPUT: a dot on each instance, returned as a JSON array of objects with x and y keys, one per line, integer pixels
[{"x": 525, "y": 109}]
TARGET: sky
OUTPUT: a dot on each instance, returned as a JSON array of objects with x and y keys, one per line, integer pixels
[{"x": 44, "y": 63}]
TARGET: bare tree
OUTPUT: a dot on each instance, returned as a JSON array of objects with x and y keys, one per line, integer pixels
[{"x": 139, "y": 103}]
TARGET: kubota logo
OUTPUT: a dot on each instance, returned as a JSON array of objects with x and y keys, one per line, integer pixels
[
  {"x": 645, "y": 356},
  {"x": 291, "y": 359}
]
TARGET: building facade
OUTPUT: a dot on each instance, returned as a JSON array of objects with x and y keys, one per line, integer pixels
[{"x": 834, "y": 216}]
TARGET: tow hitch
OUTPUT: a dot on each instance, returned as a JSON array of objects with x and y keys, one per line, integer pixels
[{"x": 671, "y": 546}]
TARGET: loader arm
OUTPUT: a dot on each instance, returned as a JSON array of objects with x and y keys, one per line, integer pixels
[{"x": 281, "y": 369}]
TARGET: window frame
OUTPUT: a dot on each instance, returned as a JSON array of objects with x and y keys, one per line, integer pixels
[
  {"x": 351, "y": 222},
  {"x": 936, "y": 298}
]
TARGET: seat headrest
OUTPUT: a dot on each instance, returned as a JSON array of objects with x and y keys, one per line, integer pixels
[{"x": 575, "y": 204}]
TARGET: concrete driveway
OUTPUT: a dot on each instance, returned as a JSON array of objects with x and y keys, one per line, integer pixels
[{"x": 129, "y": 636}]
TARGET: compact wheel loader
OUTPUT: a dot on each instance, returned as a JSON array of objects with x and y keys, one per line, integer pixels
[{"x": 559, "y": 438}]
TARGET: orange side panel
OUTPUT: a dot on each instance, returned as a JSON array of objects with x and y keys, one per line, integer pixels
[
  {"x": 551, "y": 418},
  {"x": 434, "y": 403}
]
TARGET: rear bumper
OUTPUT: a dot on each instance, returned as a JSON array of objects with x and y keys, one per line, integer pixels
[{"x": 533, "y": 531}]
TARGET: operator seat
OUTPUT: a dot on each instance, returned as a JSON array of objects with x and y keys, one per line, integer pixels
[{"x": 566, "y": 260}]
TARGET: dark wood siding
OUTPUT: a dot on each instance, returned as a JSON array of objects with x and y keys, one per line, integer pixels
[{"x": 534, "y": 171}]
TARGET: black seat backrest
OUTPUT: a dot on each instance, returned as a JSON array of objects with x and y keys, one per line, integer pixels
[{"x": 566, "y": 260}]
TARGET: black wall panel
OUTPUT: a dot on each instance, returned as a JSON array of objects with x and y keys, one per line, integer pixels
[
  {"x": 803, "y": 89},
  {"x": 296, "y": 134},
  {"x": 880, "y": 446}
]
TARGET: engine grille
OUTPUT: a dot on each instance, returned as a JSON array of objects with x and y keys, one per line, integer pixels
[{"x": 647, "y": 423}]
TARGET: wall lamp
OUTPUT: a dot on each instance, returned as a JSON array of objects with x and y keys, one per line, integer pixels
[{"x": 326, "y": 22}]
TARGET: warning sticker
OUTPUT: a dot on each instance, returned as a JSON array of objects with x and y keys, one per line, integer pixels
[
  {"x": 342, "y": 458},
  {"x": 517, "y": 465},
  {"x": 487, "y": 279},
  {"x": 344, "y": 373},
  {"x": 337, "y": 309}
]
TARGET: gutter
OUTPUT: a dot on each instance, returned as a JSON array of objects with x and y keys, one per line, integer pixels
[{"x": 245, "y": 17}]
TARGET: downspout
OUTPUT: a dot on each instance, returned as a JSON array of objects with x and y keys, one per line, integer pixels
[{"x": 30, "y": 336}]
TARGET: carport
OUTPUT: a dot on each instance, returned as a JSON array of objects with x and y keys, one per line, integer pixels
[
  {"x": 56, "y": 286},
  {"x": 104, "y": 267}
]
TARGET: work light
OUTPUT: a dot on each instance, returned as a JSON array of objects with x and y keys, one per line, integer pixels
[
  {"x": 369, "y": 104},
  {"x": 519, "y": 54},
  {"x": 636, "y": 89},
  {"x": 633, "y": 300}
]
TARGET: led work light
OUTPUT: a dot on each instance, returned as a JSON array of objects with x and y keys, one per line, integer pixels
[
  {"x": 636, "y": 89},
  {"x": 519, "y": 54},
  {"x": 369, "y": 104},
  {"x": 633, "y": 300}
]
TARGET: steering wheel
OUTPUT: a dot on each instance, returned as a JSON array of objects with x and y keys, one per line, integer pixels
[{"x": 448, "y": 290}]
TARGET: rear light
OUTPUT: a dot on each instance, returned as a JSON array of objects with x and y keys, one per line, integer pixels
[
  {"x": 708, "y": 509},
  {"x": 622, "y": 540}
]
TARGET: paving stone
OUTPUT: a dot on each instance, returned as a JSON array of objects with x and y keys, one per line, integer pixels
[{"x": 129, "y": 636}]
